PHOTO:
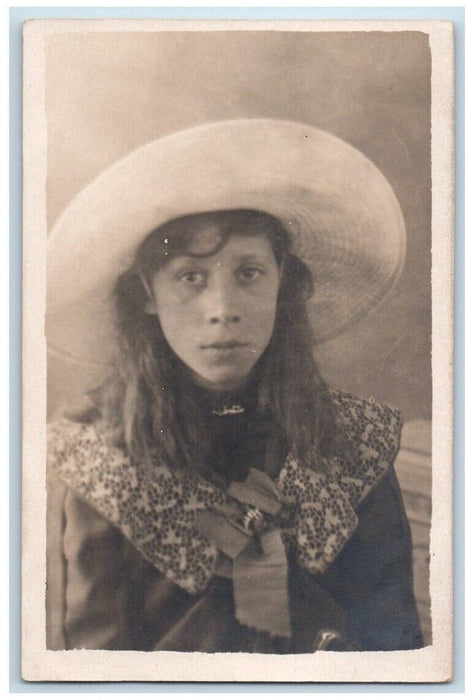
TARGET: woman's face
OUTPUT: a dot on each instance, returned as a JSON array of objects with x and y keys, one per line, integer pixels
[{"x": 218, "y": 312}]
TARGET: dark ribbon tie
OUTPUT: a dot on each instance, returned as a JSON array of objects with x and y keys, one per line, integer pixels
[{"x": 253, "y": 542}]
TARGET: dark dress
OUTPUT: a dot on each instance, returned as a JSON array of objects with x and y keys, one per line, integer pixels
[{"x": 115, "y": 582}]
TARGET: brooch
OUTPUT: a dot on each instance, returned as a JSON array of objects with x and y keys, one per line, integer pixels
[{"x": 229, "y": 410}]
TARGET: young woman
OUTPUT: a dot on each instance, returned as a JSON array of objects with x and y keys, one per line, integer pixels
[{"x": 217, "y": 495}]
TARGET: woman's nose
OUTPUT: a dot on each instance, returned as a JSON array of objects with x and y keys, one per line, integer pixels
[
  {"x": 225, "y": 318},
  {"x": 222, "y": 304}
]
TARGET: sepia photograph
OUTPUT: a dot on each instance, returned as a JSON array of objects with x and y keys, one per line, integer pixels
[{"x": 238, "y": 370}]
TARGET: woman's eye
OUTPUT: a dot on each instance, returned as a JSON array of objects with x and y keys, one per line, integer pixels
[
  {"x": 193, "y": 278},
  {"x": 250, "y": 273}
]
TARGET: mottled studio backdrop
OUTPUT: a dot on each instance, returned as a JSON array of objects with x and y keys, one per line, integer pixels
[{"x": 108, "y": 93}]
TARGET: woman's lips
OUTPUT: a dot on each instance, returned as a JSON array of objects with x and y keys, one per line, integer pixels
[
  {"x": 224, "y": 345},
  {"x": 225, "y": 352}
]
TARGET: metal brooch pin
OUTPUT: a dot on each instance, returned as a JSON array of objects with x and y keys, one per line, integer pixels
[
  {"x": 252, "y": 519},
  {"x": 229, "y": 410}
]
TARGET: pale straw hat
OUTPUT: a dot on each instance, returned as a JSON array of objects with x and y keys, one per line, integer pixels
[{"x": 344, "y": 217}]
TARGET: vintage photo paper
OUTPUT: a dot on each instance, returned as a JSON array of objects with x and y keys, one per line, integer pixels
[{"x": 237, "y": 357}]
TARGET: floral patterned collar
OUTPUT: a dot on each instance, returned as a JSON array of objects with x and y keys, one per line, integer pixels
[{"x": 159, "y": 515}]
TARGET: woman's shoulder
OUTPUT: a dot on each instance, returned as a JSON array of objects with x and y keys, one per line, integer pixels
[
  {"x": 84, "y": 458},
  {"x": 370, "y": 428},
  {"x": 350, "y": 408},
  {"x": 65, "y": 435},
  {"x": 74, "y": 447}
]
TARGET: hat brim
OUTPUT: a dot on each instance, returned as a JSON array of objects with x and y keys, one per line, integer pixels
[{"x": 341, "y": 211}]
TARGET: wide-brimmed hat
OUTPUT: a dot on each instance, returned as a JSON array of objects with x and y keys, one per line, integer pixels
[{"x": 341, "y": 211}]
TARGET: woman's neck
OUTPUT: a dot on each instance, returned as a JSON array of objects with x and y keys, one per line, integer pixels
[{"x": 227, "y": 402}]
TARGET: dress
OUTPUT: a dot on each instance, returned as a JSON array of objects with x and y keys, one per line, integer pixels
[{"x": 306, "y": 560}]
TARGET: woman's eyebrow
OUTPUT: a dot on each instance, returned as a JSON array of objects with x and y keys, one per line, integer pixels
[
  {"x": 184, "y": 261},
  {"x": 204, "y": 261},
  {"x": 253, "y": 257}
]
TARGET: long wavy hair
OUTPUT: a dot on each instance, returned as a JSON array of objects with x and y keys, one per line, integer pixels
[{"x": 148, "y": 401}]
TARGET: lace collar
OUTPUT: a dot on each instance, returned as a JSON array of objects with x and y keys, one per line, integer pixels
[{"x": 158, "y": 515}]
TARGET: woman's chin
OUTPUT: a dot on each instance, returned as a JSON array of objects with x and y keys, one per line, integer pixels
[{"x": 220, "y": 381}]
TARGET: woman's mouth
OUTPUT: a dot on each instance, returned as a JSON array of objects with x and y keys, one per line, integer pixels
[
  {"x": 225, "y": 352},
  {"x": 224, "y": 345}
]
